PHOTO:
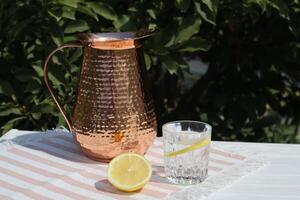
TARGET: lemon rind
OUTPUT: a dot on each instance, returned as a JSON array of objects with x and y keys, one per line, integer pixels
[{"x": 131, "y": 188}]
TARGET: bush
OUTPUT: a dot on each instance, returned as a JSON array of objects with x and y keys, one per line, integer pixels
[{"x": 249, "y": 92}]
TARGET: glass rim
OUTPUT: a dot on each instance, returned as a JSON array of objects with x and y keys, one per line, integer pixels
[{"x": 192, "y": 121}]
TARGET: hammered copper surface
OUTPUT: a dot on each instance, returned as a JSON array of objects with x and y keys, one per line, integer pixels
[{"x": 114, "y": 112}]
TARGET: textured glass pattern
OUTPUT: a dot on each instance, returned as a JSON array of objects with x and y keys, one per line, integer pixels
[{"x": 186, "y": 149}]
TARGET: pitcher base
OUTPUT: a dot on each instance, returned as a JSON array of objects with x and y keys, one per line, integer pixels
[{"x": 96, "y": 157}]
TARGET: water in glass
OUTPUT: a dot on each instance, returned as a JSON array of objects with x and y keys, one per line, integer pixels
[{"x": 186, "y": 151}]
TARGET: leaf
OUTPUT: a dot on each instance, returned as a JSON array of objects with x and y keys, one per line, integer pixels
[
  {"x": 76, "y": 55},
  {"x": 61, "y": 121},
  {"x": 24, "y": 76},
  {"x": 270, "y": 119},
  {"x": 8, "y": 109},
  {"x": 207, "y": 16},
  {"x": 70, "y": 3},
  {"x": 68, "y": 13},
  {"x": 147, "y": 61},
  {"x": 56, "y": 75},
  {"x": 87, "y": 11},
  {"x": 209, "y": 4},
  {"x": 19, "y": 28},
  {"x": 36, "y": 116},
  {"x": 281, "y": 6},
  {"x": 69, "y": 38},
  {"x": 56, "y": 40},
  {"x": 152, "y": 26},
  {"x": 151, "y": 13},
  {"x": 203, "y": 117},
  {"x": 56, "y": 33},
  {"x": 6, "y": 88},
  {"x": 195, "y": 44},
  {"x": 132, "y": 9},
  {"x": 261, "y": 3},
  {"x": 77, "y": 26},
  {"x": 11, "y": 123},
  {"x": 55, "y": 13},
  {"x": 103, "y": 10},
  {"x": 188, "y": 27},
  {"x": 183, "y": 5},
  {"x": 38, "y": 68},
  {"x": 33, "y": 87},
  {"x": 45, "y": 108},
  {"x": 166, "y": 36},
  {"x": 121, "y": 21},
  {"x": 171, "y": 65},
  {"x": 160, "y": 50},
  {"x": 180, "y": 61}
]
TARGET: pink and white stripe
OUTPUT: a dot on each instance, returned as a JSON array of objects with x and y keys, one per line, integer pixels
[{"x": 55, "y": 168}]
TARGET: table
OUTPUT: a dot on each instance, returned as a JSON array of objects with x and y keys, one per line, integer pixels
[{"x": 280, "y": 179}]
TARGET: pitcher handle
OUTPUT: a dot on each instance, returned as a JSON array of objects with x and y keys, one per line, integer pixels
[{"x": 49, "y": 85}]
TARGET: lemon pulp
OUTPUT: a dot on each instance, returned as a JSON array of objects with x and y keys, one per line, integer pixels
[{"x": 129, "y": 172}]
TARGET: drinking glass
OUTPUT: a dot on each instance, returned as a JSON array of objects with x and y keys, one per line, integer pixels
[{"x": 186, "y": 151}]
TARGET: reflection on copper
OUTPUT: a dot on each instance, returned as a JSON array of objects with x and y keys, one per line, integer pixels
[
  {"x": 114, "y": 112},
  {"x": 118, "y": 136}
]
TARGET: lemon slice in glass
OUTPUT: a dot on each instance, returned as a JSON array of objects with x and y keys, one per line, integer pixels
[
  {"x": 189, "y": 146},
  {"x": 129, "y": 172}
]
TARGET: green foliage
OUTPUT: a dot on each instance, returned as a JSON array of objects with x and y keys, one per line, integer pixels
[
  {"x": 251, "y": 89},
  {"x": 249, "y": 92}
]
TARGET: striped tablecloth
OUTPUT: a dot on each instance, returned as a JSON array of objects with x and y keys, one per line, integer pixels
[{"x": 36, "y": 165}]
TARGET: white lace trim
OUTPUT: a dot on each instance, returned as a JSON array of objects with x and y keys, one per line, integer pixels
[{"x": 220, "y": 181}]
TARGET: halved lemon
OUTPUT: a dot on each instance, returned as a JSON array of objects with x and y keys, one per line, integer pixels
[{"x": 129, "y": 172}]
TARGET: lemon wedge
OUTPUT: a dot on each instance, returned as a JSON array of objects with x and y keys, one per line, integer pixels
[
  {"x": 197, "y": 145},
  {"x": 129, "y": 172}
]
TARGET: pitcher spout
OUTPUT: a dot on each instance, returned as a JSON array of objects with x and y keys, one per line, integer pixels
[
  {"x": 144, "y": 34},
  {"x": 115, "y": 40}
]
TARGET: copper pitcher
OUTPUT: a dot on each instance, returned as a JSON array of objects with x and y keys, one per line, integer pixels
[{"x": 113, "y": 112}]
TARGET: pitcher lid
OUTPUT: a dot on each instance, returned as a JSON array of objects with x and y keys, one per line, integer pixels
[{"x": 115, "y": 40}]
